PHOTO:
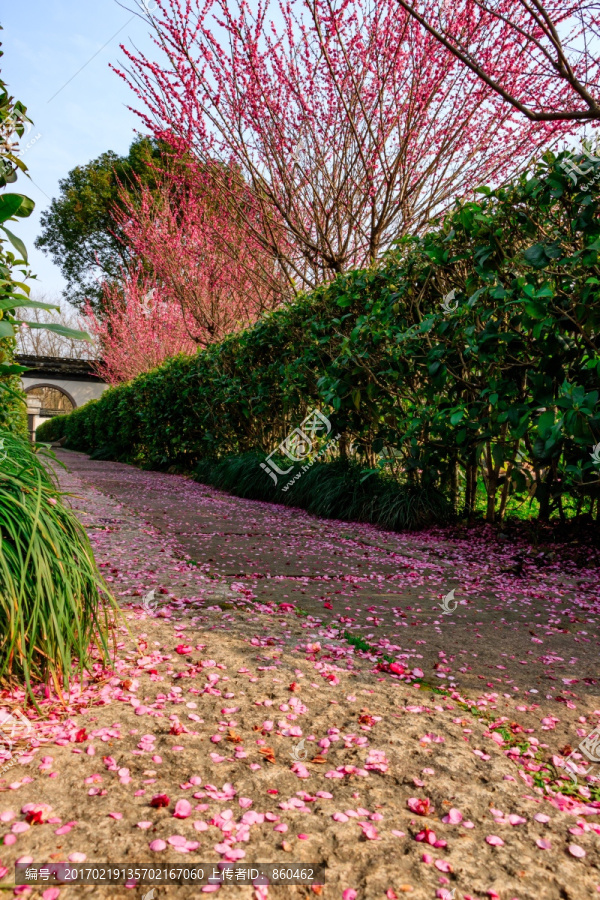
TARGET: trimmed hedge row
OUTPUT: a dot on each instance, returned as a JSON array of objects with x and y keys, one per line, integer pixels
[{"x": 468, "y": 356}]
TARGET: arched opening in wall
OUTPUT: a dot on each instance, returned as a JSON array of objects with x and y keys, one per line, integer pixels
[{"x": 55, "y": 402}]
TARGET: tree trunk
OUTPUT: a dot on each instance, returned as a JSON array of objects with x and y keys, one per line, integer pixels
[
  {"x": 505, "y": 490},
  {"x": 491, "y": 485},
  {"x": 471, "y": 486},
  {"x": 474, "y": 468},
  {"x": 543, "y": 495},
  {"x": 454, "y": 472}
]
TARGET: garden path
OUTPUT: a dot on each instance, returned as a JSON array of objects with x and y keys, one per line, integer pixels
[{"x": 238, "y": 694}]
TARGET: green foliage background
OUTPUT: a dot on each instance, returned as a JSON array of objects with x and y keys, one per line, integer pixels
[{"x": 502, "y": 391}]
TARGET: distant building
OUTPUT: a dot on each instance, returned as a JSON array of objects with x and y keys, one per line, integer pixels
[{"x": 58, "y": 385}]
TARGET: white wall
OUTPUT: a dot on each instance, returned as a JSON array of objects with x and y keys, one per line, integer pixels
[{"x": 80, "y": 391}]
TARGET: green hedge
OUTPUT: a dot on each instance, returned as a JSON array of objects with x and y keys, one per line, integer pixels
[{"x": 498, "y": 385}]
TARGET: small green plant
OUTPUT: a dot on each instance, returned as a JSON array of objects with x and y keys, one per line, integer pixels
[
  {"x": 51, "y": 612},
  {"x": 357, "y": 642},
  {"x": 360, "y": 644}
]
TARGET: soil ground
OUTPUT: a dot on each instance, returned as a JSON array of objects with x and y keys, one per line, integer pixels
[{"x": 240, "y": 688}]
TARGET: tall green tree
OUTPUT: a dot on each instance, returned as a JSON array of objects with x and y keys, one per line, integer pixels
[{"x": 79, "y": 230}]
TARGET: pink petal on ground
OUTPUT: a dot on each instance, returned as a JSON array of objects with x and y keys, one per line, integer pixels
[
  {"x": 177, "y": 840},
  {"x": 399, "y": 834},
  {"x": 116, "y": 815},
  {"x": 576, "y": 850},
  {"x": 349, "y": 894},
  {"x": 157, "y": 844},
  {"x": 144, "y": 825},
  {"x": 420, "y": 806},
  {"x": 339, "y": 817},
  {"x": 544, "y": 844},
  {"x": 245, "y": 802},
  {"x": 222, "y": 848},
  {"x": 494, "y": 840},
  {"x": 514, "y": 819},
  {"x": 51, "y": 893},
  {"x": 454, "y": 817},
  {"x": 183, "y": 809},
  {"x": 77, "y": 857}
]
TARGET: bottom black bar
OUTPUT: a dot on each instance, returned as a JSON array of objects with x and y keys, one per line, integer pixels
[{"x": 191, "y": 873}]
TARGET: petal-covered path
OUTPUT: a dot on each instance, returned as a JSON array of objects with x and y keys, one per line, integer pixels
[{"x": 292, "y": 692}]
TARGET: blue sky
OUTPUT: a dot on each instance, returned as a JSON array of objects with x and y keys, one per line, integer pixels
[{"x": 78, "y": 105}]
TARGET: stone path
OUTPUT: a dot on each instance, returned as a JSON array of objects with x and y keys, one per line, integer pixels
[{"x": 291, "y": 692}]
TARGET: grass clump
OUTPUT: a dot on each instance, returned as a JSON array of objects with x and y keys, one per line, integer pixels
[
  {"x": 51, "y": 611},
  {"x": 331, "y": 490}
]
